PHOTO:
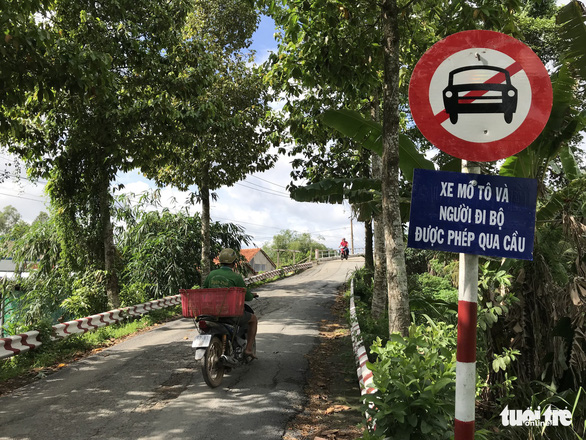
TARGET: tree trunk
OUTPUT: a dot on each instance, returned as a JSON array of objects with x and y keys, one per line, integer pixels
[
  {"x": 110, "y": 266},
  {"x": 368, "y": 251},
  {"x": 393, "y": 229},
  {"x": 379, "y": 286},
  {"x": 204, "y": 193}
]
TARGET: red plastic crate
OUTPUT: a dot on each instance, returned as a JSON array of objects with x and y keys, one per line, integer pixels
[{"x": 223, "y": 302}]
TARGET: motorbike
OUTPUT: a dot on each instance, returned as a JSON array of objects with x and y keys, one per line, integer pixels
[
  {"x": 344, "y": 253},
  {"x": 219, "y": 347}
]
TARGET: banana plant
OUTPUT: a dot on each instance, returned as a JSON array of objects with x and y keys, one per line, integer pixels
[
  {"x": 362, "y": 193},
  {"x": 565, "y": 120}
]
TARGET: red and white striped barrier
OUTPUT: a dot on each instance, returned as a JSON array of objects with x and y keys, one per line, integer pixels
[
  {"x": 364, "y": 373},
  {"x": 276, "y": 272},
  {"x": 90, "y": 323},
  {"x": 13, "y": 345},
  {"x": 16, "y": 344},
  {"x": 87, "y": 324},
  {"x": 141, "y": 309}
]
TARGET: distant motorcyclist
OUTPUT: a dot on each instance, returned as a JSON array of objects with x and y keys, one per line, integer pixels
[
  {"x": 226, "y": 277},
  {"x": 344, "y": 247}
]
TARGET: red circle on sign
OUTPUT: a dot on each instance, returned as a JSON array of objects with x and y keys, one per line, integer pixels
[{"x": 437, "y": 126}]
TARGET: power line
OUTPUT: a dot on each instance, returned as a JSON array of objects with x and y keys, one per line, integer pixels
[
  {"x": 264, "y": 187},
  {"x": 23, "y": 198},
  {"x": 275, "y": 227},
  {"x": 267, "y": 181},
  {"x": 266, "y": 192}
]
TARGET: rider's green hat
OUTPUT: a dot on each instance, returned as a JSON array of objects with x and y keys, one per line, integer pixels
[{"x": 227, "y": 256}]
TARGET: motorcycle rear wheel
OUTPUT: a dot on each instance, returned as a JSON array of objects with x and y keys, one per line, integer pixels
[{"x": 212, "y": 367}]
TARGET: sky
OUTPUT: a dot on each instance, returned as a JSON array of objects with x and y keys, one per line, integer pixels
[{"x": 260, "y": 203}]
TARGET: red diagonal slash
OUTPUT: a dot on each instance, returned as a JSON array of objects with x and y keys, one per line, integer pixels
[{"x": 442, "y": 116}]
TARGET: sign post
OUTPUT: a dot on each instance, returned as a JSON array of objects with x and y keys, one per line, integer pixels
[
  {"x": 478, "y": 96},
  {"x": 466, "y": 342}
]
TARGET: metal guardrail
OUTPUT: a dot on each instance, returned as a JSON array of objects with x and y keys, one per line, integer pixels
[
  {"x": 16, "y": 344},
  {"x": 364, "y": 373},
  {"x": 277, "y": 272}
]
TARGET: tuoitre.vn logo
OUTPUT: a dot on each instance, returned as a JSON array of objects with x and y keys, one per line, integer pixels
[{"x": 535, "y": 417}]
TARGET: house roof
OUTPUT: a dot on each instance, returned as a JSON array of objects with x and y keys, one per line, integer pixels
[{"x": 249, "y": 254}]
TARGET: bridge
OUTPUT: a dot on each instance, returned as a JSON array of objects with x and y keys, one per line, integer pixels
[{"x": 150, "y": 387}]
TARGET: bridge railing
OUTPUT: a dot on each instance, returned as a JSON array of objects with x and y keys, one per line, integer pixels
[
  {"x": 16, "y": 344},
  {"x": 330, "y": 254}
]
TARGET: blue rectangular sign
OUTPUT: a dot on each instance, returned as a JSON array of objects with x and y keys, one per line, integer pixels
[{"x": 473, "y": 214}]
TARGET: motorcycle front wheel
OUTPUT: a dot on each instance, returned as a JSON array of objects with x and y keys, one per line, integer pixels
[{"x": 212, "y": 368}]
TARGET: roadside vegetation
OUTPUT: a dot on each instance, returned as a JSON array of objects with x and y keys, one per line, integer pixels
[{"x": 415, "y": 374}]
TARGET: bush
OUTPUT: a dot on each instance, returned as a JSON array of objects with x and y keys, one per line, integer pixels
[
  {"x": 88, "y": 294},
  {"x": 415, "y": 378}
]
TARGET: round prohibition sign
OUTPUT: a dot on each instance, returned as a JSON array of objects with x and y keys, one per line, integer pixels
[{"x": 480, "y": 95}]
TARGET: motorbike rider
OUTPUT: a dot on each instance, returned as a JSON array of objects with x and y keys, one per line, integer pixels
[
  {"x": 226, "y": 277},
  {"x": 344, "y": 246}
]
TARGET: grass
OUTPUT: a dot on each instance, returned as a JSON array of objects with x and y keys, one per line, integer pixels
[{"x": 53, "y": 355}]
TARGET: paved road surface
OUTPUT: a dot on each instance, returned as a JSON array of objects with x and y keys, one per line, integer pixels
[{"x": 149, "y": 387}]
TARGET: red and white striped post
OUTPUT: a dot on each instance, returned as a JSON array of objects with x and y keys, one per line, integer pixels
[{"x": 466, "y": 345}]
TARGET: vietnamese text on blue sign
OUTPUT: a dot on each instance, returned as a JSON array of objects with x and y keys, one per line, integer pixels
[{"x": 473, "y": 214}]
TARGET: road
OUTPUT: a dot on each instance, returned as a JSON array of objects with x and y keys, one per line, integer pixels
[{"x": 150, "y": 387}]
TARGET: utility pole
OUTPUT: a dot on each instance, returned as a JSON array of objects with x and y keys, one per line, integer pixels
[{"x": 351, "y": 235}]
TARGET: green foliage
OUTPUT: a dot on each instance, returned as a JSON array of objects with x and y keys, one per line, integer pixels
[
  {"x": 368, "y": 133},
  {"x": 494, "y": 297},
  {"x": 302, "y": 243},
  {"x": 573, "y": 33},
  {"x": 433, "y": 293},
  {"x": 87, "y": 294},
  {"x": 415, "y": 378},
  {"x": 501, "y": 362},
  {"x": 241, "y": 127},
  {"x": 107, "y": 97},
  {"x": 433, "y": 296},
  {"x": 9, "y": 218},
  {"x": 539, "y": 395},
  {"x": 160, "y": 250},
  {"x": 159, "y": 254}
]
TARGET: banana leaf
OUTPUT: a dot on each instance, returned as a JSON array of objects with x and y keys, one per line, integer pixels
[{"x": 369, "y": 134}]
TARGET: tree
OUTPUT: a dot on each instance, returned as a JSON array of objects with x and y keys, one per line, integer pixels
[
  {"x": 9, "y": 217},
  {"x": 111, "y": 95},
  {"x": 25, "y": 52},
  {"x": 237, "y": 139},
  {"x": 302, "y": 246},
  {"x": 160, "y": 249},
  {"x": 351, "y": 54}
]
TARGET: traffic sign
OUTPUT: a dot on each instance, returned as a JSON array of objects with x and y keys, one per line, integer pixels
[
  {"x": 480, "y": 95},
  {"x": 473, "y": 214}
]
